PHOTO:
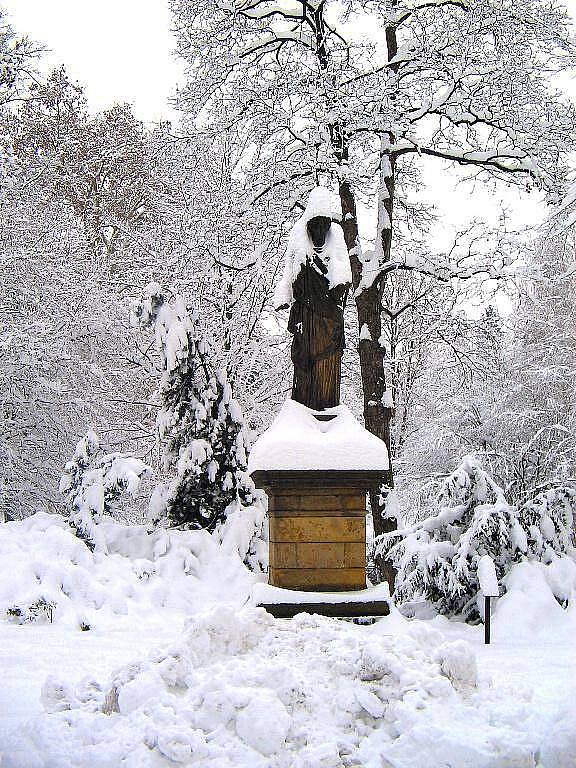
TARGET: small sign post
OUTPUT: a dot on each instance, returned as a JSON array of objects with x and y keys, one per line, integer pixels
[{"x": 489, "y": 588}]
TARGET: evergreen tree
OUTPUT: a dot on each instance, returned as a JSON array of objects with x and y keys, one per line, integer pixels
[
  {"x": 548, "y": 519},
  {"x": 437, "y": 558},
  {"x": 93, "y": 481},
  {"x": 199, "y": 421}
]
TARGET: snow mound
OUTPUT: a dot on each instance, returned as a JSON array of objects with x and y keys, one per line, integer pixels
[
  {"x": 243, "y": 689},
  {"x": 296, "y": 440},
  {"x": 50, "y": 575},
  {"x": 458, "y": 662},
  {"x": 264, "y": 723},
  {"x": 238, "y": 688},
  {"x": 531, "y": 606}
]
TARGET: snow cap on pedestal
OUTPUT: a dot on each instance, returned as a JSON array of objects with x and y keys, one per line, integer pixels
[
  {"x": 296, "y": 440},
  {"x": 334, "y": 254}
]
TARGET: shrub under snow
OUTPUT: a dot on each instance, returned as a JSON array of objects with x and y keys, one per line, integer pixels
[
  {"x": 93, "y": 481},
  {"x": 438, "y": 557}
]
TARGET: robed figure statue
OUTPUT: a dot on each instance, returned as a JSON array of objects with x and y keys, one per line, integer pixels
[{"x": 315, "y": 285}]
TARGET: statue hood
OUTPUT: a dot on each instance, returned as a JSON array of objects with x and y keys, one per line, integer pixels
[{"x": 321, "y": 202}]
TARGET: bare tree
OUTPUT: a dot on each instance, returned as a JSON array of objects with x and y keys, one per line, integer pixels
[{"x": 18, "y": 57}]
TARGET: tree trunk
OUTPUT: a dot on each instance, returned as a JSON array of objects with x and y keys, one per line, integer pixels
[{"x": 377, "y": 416}]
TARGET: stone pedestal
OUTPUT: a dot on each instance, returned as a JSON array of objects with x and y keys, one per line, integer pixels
[
  {"x": 317, "y": 525},
  {"x": 316, "y": 468}
]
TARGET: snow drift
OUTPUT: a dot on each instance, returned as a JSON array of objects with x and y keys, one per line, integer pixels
[
  {"x": 239, "y": 688},
  {"x": 50, "y": 575}
]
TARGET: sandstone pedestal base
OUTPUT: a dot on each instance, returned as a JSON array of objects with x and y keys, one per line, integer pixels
[{"x": 317, "y": 528}]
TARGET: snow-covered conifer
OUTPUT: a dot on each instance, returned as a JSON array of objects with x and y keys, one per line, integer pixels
[
  {"x": 199, "y": 421},
  {"x": 438, "y": 557},
  {"x": 548, "y": 519},
  {"x": 93, "y": 481}
]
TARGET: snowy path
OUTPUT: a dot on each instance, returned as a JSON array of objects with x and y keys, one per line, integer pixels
[
  {"x": 536, "y": 680},
  {"x": 545, "y": 673},
  {"x": 546, "y": 665},
  {"x": 548, "y": 668}
]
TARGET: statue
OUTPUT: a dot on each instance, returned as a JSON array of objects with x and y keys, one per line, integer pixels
[
  {"x": 307, "y": 467},
  {"x": 315, "y": 286}
]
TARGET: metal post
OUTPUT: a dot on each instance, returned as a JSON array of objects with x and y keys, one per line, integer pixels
[{"x": 487, "y": 620}]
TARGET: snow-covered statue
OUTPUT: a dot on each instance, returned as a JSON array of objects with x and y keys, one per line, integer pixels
[{"x": 315, "y": 285}]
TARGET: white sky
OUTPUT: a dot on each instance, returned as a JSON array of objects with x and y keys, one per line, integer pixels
[{"x": 121, "y": 51}]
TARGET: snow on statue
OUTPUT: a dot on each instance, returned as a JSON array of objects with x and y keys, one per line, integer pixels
[{"x": 315, "y": 284}]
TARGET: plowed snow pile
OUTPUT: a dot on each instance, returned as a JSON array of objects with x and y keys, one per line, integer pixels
[{"x": 238, "y": 688}]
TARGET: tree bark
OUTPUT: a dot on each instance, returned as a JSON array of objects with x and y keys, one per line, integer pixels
[{"x": 377, "y": 416}]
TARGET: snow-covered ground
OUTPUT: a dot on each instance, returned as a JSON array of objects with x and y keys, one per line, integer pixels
[{"x": 176, "y": 668}]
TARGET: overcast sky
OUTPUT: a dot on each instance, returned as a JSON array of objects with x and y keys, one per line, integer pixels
[{"x": 121, "y": 51}]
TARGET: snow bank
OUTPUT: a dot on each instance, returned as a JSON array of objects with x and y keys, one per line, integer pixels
[
  {"x": 50, "y": 575},
  {"x": 458, "y": 662},
  {"x": 296, "y": 440},
  {"x": 240, "y": 689},
  {"x": 530, "y": 608},
  {"x": 243, "y": 689}
]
